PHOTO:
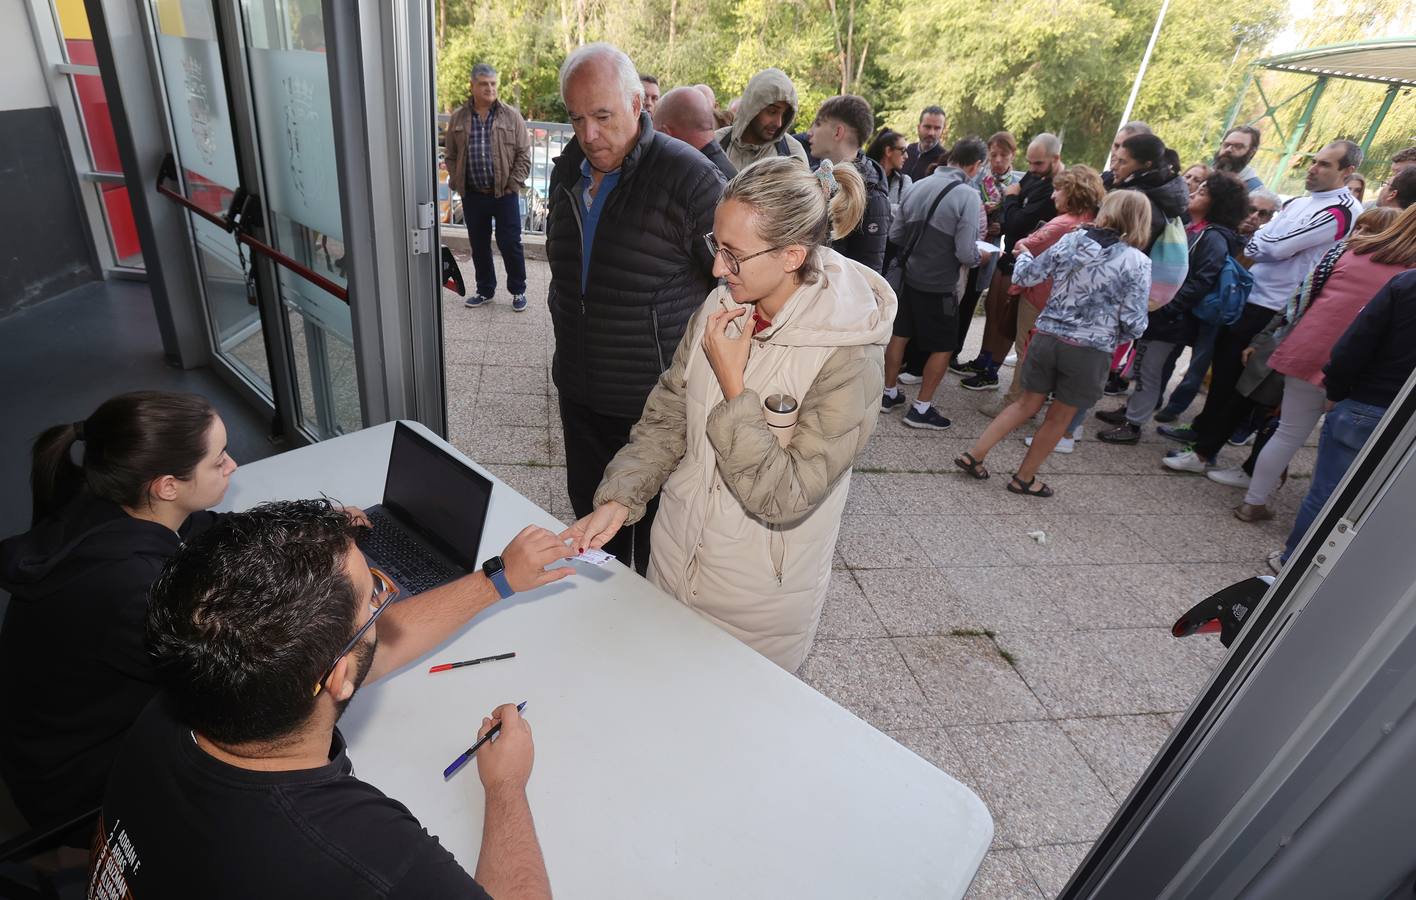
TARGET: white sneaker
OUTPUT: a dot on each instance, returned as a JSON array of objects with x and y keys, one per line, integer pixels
[
  {"x": 1078, "y": 434},
  {"x": 1235, "y": 477},
  {"x": 907, "y": 378},
  {"x": 1011, "y": 359},
  {"x": 1064, "y": 445},
  {"x": 1186, "y": 461}
]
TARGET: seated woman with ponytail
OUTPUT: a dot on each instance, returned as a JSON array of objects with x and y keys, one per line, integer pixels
[
  {"x": 74, "y": 668},
  {"x": 752, "y": 431}
]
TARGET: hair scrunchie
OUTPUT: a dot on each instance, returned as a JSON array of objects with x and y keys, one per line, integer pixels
[
  {"x": 827, "y": 178},
  {"x": 78, "y": 430}
]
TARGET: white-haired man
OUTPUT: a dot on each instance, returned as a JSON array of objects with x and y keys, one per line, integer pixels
[{"x": 624, "y": 236}]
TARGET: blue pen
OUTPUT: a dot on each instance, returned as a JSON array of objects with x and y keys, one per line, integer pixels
[{"x": 462, "y": 760}]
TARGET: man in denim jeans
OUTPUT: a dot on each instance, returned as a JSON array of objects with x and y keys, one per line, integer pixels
[
  {"x": 488, "y": 159},
  {"x": 1370, "y": 365}
]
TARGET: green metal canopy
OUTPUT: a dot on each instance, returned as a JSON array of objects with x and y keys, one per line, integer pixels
[
  {"x": 1389, "y": 61},
  {"x": 1386, "y": 60}
]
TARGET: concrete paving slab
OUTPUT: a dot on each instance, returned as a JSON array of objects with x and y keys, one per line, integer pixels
[
  {"x": 869, "y": 678},
  {"x": 1038, "y": 787},
  {"x": 967, "y": 681}
]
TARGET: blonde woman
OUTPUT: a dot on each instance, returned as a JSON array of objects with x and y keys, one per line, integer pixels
[
  {"x": 749, "y": 512},
  {"x": 1100, "y": 286}
]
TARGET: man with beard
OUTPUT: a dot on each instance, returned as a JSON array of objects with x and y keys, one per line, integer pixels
[
  {"x": 235, "y": 781},
  {"x": 1235, "y": 151},
  {"x": 929, "y": 150},
  {"x": 763, "y": 126}
]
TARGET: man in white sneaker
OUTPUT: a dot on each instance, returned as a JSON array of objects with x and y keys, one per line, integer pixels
[
  {"x": 1283, "y": 252},
  {"x": 488, "y": 159}
]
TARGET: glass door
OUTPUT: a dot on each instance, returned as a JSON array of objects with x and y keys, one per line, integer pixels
[
  {"x": 284, "y": 43},
  {"x": 247, "y": 91}
]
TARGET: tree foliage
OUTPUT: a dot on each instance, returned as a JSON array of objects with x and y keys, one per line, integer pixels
[{"x": 1027, "y": 66}]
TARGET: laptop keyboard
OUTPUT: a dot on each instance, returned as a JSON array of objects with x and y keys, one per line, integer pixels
[{"x": 414, "y": 568}]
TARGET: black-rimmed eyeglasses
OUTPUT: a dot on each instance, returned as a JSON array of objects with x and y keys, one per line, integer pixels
[
  {"x": 385, "y": 593},
  {"x": 733, "y": 263}
]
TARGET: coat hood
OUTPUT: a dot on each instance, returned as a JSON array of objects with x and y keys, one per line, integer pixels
[
  {"x": 1166, "y": 191},
  {"x": 848, "y": 305},
  {"x": 766, "y": 87},
  {"x": 90, "y": 535}
]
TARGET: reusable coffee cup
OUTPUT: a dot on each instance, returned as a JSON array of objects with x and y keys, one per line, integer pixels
[{"x": 781, "y": 411}]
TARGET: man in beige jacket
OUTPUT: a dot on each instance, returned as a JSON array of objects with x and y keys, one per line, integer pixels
[{"x": 488, "y": 159}]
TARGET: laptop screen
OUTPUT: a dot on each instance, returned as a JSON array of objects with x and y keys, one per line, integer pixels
[{"x": 439, "y": 496}]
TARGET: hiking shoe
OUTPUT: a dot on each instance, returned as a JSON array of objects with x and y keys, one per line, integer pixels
[
  {"x": 909, "y": 378},
  {"x": 1165, "y": 416},
  {"x": 1116, "y": 385},
  {"x": 1064, "y": 445},
  {"x": 1235, "y": 477},
  {"x": 959, "y": 367},
  {"x": 1275, "y": 561},
  {"x": 1187, "y": 461},
  {"x": 930, "y": 418},
  {"x": 1112, "y": 416},
  {"x": 888, "y": 403},
  {"x": 518, "y": 303},
  {"x": 476, "y": 300},
  {"x": 983, "y": 381},
  {"x": 1124, "y": 434},
  {"x": 1248, "y": 512},
  {"x": 1185, "y": 434}
]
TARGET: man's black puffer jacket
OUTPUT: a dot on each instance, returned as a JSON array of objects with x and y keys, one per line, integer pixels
[
  {"x": 650, "y": 270},
  {"x": 1174, "y": 321}
]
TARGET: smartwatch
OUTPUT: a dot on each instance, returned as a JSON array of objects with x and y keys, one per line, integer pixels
[{"x": 496, "y": 573}]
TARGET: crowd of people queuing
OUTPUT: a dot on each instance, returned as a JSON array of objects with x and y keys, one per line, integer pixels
[{"x": 736, "y": 307}]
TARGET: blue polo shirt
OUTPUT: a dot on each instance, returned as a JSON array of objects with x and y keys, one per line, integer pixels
[{"x": 590, "y": 209}]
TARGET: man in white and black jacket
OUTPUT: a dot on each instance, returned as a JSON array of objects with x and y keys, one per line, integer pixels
[{"x": 1284, "y": 251}]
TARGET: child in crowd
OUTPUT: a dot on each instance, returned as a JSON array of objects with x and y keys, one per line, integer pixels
[{"x": 1101, "y": 283}]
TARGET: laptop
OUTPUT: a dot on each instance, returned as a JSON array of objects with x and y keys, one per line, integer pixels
[{"x": 428, "y": 528}]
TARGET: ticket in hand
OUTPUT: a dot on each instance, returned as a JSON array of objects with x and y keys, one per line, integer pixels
[{"x": 594, "y": 557}]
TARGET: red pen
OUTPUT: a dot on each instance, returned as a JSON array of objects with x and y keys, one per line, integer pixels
[{"x": 470, "y": 662}]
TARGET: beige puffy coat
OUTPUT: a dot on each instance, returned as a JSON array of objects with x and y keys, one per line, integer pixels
[{"x": 746, "y": 528}]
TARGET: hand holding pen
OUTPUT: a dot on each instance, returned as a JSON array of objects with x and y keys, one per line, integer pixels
[{"x": 506, "y": 761}]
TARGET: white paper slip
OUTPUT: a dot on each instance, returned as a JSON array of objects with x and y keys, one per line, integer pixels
[
  {"x": 594, "y": 557},
  {"x": 986, "y": 247}
]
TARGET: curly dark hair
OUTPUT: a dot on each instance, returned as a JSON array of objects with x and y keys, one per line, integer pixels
[
  {"x": 246, "y": 617},
  {"x": 1229, "y": 199}
]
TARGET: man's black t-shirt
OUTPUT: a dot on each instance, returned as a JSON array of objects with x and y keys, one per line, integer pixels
[{"x": 179, "y": 823}]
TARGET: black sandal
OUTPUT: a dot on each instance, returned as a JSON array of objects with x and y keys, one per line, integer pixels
[
  {"x": 1029, "y": 488},
  {"x": 973, "y": 467}
]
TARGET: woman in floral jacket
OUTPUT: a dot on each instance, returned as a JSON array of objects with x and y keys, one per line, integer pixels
[{"x": 1100, "y": 288}]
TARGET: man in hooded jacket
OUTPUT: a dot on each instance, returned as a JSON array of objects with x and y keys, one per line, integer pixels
[{"x": 764, "y": 121}]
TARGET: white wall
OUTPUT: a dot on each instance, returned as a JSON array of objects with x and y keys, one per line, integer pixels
[{"x": 21, "y": 77}]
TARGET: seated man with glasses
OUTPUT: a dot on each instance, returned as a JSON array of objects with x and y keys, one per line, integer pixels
[{"x": 235, "y": 781}]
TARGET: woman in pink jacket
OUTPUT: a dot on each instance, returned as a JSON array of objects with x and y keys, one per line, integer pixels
[
  {"x": 1332, "y": 296},
  {"x": 1077, "y": 193}
]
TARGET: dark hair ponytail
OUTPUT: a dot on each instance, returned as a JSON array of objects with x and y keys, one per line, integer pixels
[{"x": 127, "y": 442}]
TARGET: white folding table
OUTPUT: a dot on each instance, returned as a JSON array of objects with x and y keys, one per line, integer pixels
[{"x": 671, "y": 759}]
